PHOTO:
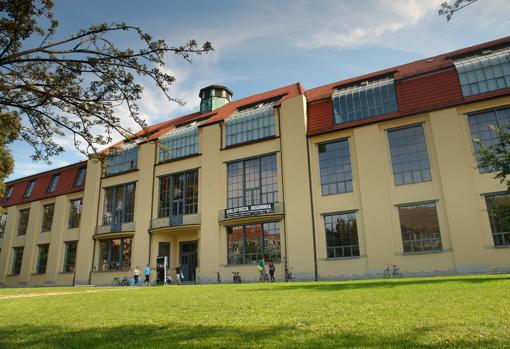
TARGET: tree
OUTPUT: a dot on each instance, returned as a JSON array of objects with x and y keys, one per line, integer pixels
[
  {"x": 53, "y": 87},
  {"x": 448, "y": 9},
  {"x": 496, "y": 156}
]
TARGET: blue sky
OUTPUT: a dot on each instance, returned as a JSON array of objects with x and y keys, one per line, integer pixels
[{"x": 261, "y": 45}]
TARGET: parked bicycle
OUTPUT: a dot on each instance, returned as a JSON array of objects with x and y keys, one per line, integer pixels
[
  {"x": 117, "y": 281},
  {"x": 288, "y": 275},
  {"x": 392, "y": 271}
]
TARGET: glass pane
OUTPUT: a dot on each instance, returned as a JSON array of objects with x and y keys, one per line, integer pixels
[
  {"x": 341, "y": 235},
  {"x": 498, "y": 208},
  {"x": 335, "y": 167},
  {"x": 420, "y": 228},
  {"x": 251, "y": 124}
]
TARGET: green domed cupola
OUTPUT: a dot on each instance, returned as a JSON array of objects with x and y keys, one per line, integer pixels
[{"x": 213, "y": 97}]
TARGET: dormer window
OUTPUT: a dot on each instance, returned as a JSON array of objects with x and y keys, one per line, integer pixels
[
  {"x": 179, "y": 142},
  {"x": 486, "y": 72},
  {"x": 251, "y": 123},
  {"x": 364, "y": 100},
  {"x": 7, "y": 195},
  {"x": 29, "y": 189},
  {"x": 122, "y": 160},
  {"x": 80, "y": 177},
  {"x": 53, "y": 183}
]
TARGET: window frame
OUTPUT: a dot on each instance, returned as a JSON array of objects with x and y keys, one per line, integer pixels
[
  {"x": 80, "y": 179},
  {"x": 120, "y": 261},
  {"x": 125, "y": 151},
  {"x": 189, "y": 207},
  {"x": 345, "y": 182},
  {"x": 262, "y": 252},
  {"x": 180, "y": 135},
  {"x": 66, "y": 267},
  {"x": 16, "y": 270},
  {"x": 359, "y": 88},
  {"x": 52, "y": 187},
  {"x": 123, "y": 210},
  {"x": 46, "y": 228},
  {"x": 493, "y": 221},
  {"x": 40, "y": 268},
  {"x": 29, "y": 189},
  {"x": 70, "y": 216},
  {"x": 7, "y": 194},
  {"x": 388, "y": 131},
  {"x": 253, "y": 190},
  {"x": 422, "y": 251},
  {"x": 20, "y": 231},
  {"x": 247, "y": 115},
  {"x": 3, "y": 223},
  {"x": 351, "y": 246}
]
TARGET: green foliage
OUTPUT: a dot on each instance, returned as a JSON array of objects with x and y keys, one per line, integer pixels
[
  {"x": 74, "y": 85},
  {"x": 441, "y": 312},
  {"x": 9, "y": 125},
  {"x": 448, "y": 9},
  {"x": 497, "y": 156}
]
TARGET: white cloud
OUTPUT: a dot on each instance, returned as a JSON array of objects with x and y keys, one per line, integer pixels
[{"x": 359, "y": 27}]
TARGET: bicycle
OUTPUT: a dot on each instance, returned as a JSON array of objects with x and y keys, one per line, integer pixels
[
  {"x": 117, "y": 281},
  {"x": 289, "y": 276},
  {"x": 392, "y": 272}
]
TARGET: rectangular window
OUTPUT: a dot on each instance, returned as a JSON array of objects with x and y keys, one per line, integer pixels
[
  {"x": 367, "y": 99},
  {"x": 335, "y": 167},
  {"x": 80, "y": 177},
  {"x": 17, "y": 259},
  {"x": 179, "y": 142},
  {"x": 115, "y": 254},
  {"x": 75, "y": 207},
  {"x": 247, "y": 244},
  {"x": 24, "y": 215},
  {"x": 420, "y": 227},
  {"x": 3, "y": 223},
  {"x": 29, "y": 189},
  {"x": 479, "y": 125},
  {"x": 178, "y": 194},
  {"x": 341, "y": 235},
  {"x": 498, "y": 208},
  {"x": 48, "y": 211},
  {"x": 250, "y": 124},
  {"x": 484, "y": 73},
  {"x": 119, "y": 205},
  {"x": 252, "y": 181},
  {"x": 70, "y": 256},
  {"x": 122, "y": 160},
  {"x": 409, "y": 158},
  {"x": 7, "y": 195},
  {"x": 53, "y": 183},
  {"x": 42, "y": 258}
]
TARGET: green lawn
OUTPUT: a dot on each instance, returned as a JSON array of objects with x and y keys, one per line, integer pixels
[{"x": 462, "y": 312}]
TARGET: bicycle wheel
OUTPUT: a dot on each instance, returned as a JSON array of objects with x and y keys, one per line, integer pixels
[{"x": 116, "y": 282}]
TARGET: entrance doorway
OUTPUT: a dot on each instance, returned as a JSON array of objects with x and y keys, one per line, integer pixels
[{"x": 188, "y": 258}]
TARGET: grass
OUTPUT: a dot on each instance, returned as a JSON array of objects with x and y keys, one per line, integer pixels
[{"x": 463, "y": 312}]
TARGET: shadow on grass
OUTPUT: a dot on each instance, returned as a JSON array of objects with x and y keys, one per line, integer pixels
[
  {"x": 381, "y": 283},
  {"x": 181, "y": 336}
]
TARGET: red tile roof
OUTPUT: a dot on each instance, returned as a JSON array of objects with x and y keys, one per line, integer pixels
[
  {"x": 65, "y": 184},
  {"x": 424, "y": 85}
]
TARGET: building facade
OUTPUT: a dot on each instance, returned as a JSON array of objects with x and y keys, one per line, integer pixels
[{"x": 333, "y": 182}]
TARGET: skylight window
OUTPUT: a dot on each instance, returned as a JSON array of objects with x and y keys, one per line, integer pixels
[
  {"x": 251, "y": 124},
  {"x": 367, "y": 99},
  {"x": 122, "y": 160},
  {"x": 53, "y": 183},
  {"x": 484, "y": 73},
  {"x": 29, "y": 189},
  {"x": 7, "y": 194},
  {"x": 178, "y": 143}
]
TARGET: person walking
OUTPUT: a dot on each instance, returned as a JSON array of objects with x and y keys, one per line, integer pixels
[
  {"x": 178, "y": 275},
  {"x": 261, "y": 267},
  {"x": 137, "y": 275},
  {"x": 147, "y": 272},
  {"x": 271, "y": 271}
]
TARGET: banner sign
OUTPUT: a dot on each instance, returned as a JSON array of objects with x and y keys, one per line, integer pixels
[{"x": 251, "y": 210}]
